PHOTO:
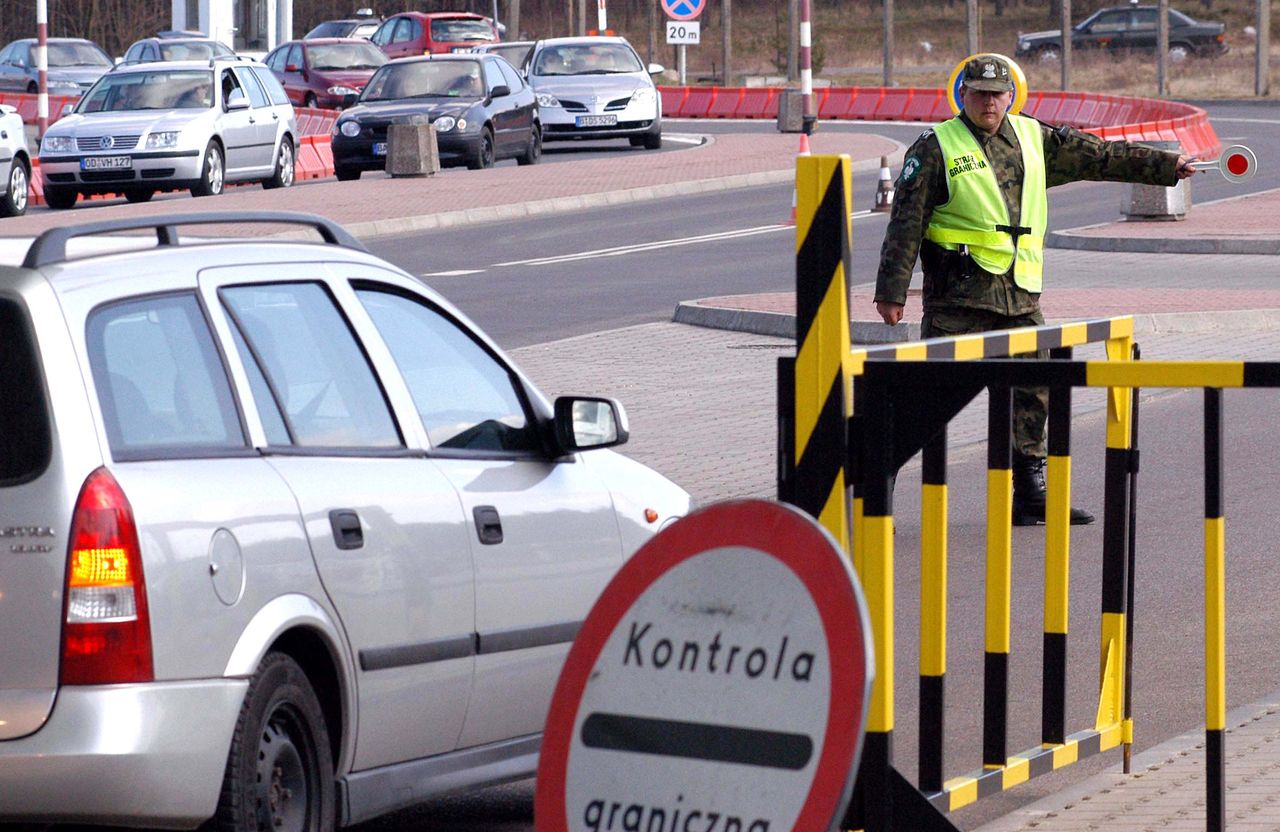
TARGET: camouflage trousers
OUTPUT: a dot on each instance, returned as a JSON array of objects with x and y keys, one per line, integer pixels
[{"x": 1030, "y": 404}]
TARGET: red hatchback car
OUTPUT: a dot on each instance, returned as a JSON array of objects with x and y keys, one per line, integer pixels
[
  {"x": 421, "y": 33},
  {"x": 322, "y": 72}
]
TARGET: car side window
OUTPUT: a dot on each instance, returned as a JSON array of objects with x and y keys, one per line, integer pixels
[
  {"x": 6, "y": 54},
  {"x": 318, "y": 376},
  {"x": 1111, "y": 22},
  {"x": 403, "y": 31},
  {"x": 415, "y": 29},
  {"x": 134, "y": 52},
  {"x": 229, "y": 85},
  {"x": 257, "y": 97},
  {"x": 161, "y": 384},
  {"x": 276, "y": 60},
  {"x": 383, "y": 33},
  {"x": 512, "y": 77},
  {"x": 467, "y": 399},
  {"x": 271, "y": 84},
  {"x": 493, "y": 76},
  {"x": 295, "y": 56},
  {"x": 1144, "y": 18}
]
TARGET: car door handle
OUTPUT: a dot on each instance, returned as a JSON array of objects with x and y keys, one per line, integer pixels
[
  {"x": 252, "y": 120},
  {"x": 488, "y": 524},
  {"x": 347, "y": 532}
]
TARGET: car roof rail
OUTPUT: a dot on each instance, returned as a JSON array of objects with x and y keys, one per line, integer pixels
[{"x": 51, "y": 246}]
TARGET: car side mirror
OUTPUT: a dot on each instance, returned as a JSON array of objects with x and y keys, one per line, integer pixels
[
  {"x": 349, "y": 99},
  {"x": 292, "y": 68},
  {"x": 68, "y": 109},
  {"x": 237, "y": 101},
  {"x": 500, "y": 90},
  {"x": 584, "y": 423},
  {"x": 656, "y": 69}
]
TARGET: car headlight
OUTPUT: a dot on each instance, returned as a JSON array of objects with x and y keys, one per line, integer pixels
[
  {"x": 58, "y": 144},
  {"x": 546, "y": 99},
  {"x": 338, "y": 89},
  {"x": 168, "y": 138},
  {"x": 445, "y": 123},
  {"x": 350, "y": 129},
  {"x": 642, "y": 96}
]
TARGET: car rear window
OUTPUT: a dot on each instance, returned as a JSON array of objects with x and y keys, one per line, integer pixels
[
  {"x": 161, "y": 384},
  {"x": 25, "y": 439}
]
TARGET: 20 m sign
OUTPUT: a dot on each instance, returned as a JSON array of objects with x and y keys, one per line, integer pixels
[
  {"x": 684, "y": 31},
  {"x": 718, "y": 685}
]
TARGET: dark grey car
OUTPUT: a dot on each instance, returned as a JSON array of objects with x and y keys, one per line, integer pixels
[
  {"x": 75, "y": 65},
  {"x": 1121, "y": 29}
]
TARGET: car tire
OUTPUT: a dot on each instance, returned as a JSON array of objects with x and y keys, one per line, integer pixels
[
  {"x": 482, "y": 156},
  {"x": 1179, "y": 52},
  {"x": 533, "y": 152},
  {"x": 310, "y": 100},
  {"x": 279, "y": 772},
  {"x": 59, "y": 198},
  {"x": 33, "y": 88},
  {"x": 653, "y": 141},
  {"x": 139, "y": 194},
  {"x": 13, "y": 202},
  {"x": 345, "y": 174},
  {"x": 212, "y": 173},
  {"x": 1048, "y": 54},
  {"x": 282, "y": 176}
]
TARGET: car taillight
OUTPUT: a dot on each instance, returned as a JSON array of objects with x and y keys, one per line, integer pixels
[{"x": 106, "y": 636}]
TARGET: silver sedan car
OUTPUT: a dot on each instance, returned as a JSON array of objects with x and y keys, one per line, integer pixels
[{"x": 180, "y": 125}]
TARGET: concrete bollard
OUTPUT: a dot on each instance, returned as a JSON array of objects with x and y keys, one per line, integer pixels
[
  {"x": 1155, "y": 203},
  {"x": 412, "y": 149}
]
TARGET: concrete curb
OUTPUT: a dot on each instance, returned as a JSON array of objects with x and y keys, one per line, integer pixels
[
  {"x": 1146, "y": 762},
  {"x": 783, "y": 325},
  {"x": 520, "y": 210},
  {"x": 1158, "y": 245}
]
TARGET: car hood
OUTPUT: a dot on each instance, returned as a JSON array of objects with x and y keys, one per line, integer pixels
[
  {"x": 432, "y": 108},
  {"x": 79, "y": 74},
  {"x": 1048, "y": 33},
  {"x": 140, "y": 122},
  {"x": 601, "y": 86}
]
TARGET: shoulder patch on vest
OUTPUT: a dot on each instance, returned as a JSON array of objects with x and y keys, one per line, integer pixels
[{"x": 909, "y": 170}]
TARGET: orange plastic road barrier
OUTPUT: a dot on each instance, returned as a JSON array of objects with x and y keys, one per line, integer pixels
[
  {"x": 867, "y": 103},
  {"x": 673, "y": 100},
  {"x": 308, "y": 164},
  {"x": 698, "y": 102},
  {"x": 324, "y": 150},
  {"x": 838, "y": 102},
  {"x": 893, "y": 104},
  {"x": 759, "y": 102},
  {"x": 726, "y": 104},
  {"x": 923, "y": 105}
]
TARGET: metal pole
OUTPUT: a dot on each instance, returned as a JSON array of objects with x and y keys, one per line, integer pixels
[
  {"x": 42, "y": 64},
  {"x": 793, "y": 39},
  {"x": 513, "y": 20},
  {"x": 888, "y": 43},
  {"x": 582, "y": 17},
  {"x": 1066, "y": 45},
  {"x": 1162, "y": 48},
  {"x": 1133, "y": 564},
  {"x": 806, "y": 66},
  {"x": 683, "y": 65},
  {"x": 602, "y": 18},
  {"x": 726, "y": 22},
  {"x": 971, "y": 18},
  {"x": 1262, "y": 69}
]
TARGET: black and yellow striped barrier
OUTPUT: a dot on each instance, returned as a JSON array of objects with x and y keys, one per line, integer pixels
[{"x": 848, "y": 420}]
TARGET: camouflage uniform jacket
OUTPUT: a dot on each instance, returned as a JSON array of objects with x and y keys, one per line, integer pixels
[{"x": 1069, "y": 154}]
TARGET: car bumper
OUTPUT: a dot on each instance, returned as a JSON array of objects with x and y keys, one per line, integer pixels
[
  {"x": 139, "y": 755},
  {"x": 453, "y": 148},
  {"x": 161, "y": 169},
  {"x": 559, "y": 124}
]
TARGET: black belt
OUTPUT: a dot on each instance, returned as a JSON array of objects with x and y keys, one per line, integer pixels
[{"x": 1014, "y": 231}]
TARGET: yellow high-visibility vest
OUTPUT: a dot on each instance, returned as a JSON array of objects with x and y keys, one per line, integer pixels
[{"x": 975, "y": 214}]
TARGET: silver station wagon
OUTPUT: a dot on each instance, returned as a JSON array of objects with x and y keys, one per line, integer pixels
[
  {"x": 285, "y": 541},
  {"x": 176, "y": 125}
]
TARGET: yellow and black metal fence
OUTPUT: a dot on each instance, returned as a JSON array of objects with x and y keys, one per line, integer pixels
[{"x": 849, "y": 419}]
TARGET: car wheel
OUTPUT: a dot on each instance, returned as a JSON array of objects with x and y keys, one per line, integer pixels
[
  {"x": 482, "y": 156},
  {"x": 139, "y": 194},
  {"x": 33, "y": 88},
  {"x": 59, "y": 198},
  {"x": 310, "y": 100},
  {"x": 533, "y": 152},
  {"x": 212, "y": 174},
  {"x": 13, "y": 203},
  {"x": 345, "y": 174},
  {"x": 653, "y": 141},
  {"x": 1179, "y": 52},
  {"x": 279, "y": 773},
  {"x": 282, "y": 177},
  {"x": 1048, "y": 54}
]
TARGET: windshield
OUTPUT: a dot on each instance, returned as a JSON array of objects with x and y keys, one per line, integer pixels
[
  {"x": 460, "y": 29},
  {"x": 192, "y": 50},
  {"x": 160, "y": 90},
  {"x": 586, "y": 59},
  {"x": 331, "y": 29},
  {"x": 346, "y": 56},
  {"x": 77, "y": 54},
  {"x": 426, "y": 79},
  {"x": 514, "y": 53}
]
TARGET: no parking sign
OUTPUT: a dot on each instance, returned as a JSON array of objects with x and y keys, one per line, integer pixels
[{"x": 719, "y": 683}]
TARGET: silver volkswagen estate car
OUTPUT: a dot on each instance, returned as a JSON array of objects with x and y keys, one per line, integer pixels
[
  {"x": 285, "y": 541},
  {"x": 177, "y": 125}
]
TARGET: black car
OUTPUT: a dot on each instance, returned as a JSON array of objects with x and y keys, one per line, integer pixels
[
  {"x": 481, "y": 108},
  {"x": 1132, "y": 27}
]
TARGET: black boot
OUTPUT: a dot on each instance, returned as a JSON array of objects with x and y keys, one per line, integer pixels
[{"x": 1029, "y": 494}]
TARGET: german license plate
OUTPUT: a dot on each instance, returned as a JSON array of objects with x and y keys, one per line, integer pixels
[
  {"x": 379, "y": 148},
  {"x": 106, "y": 162},
  {"x": 597, "y": 121}
]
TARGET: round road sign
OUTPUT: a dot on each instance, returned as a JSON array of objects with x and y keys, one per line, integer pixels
[
  {"x": 683, "y": 9},
  {"x": 1019, "y": 83},
  {"x": 720, "y": 682}
]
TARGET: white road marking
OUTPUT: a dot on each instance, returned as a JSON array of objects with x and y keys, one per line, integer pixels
[
  {"x": 453, "y": 273},
  {"x": 1247, "y": 120}
]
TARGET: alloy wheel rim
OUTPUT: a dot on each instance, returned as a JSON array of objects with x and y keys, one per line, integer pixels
[
  {"x": 215, "y": 172},
  {"x": 18, "y": 187},
  {"x": 286, "y": 164}
]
